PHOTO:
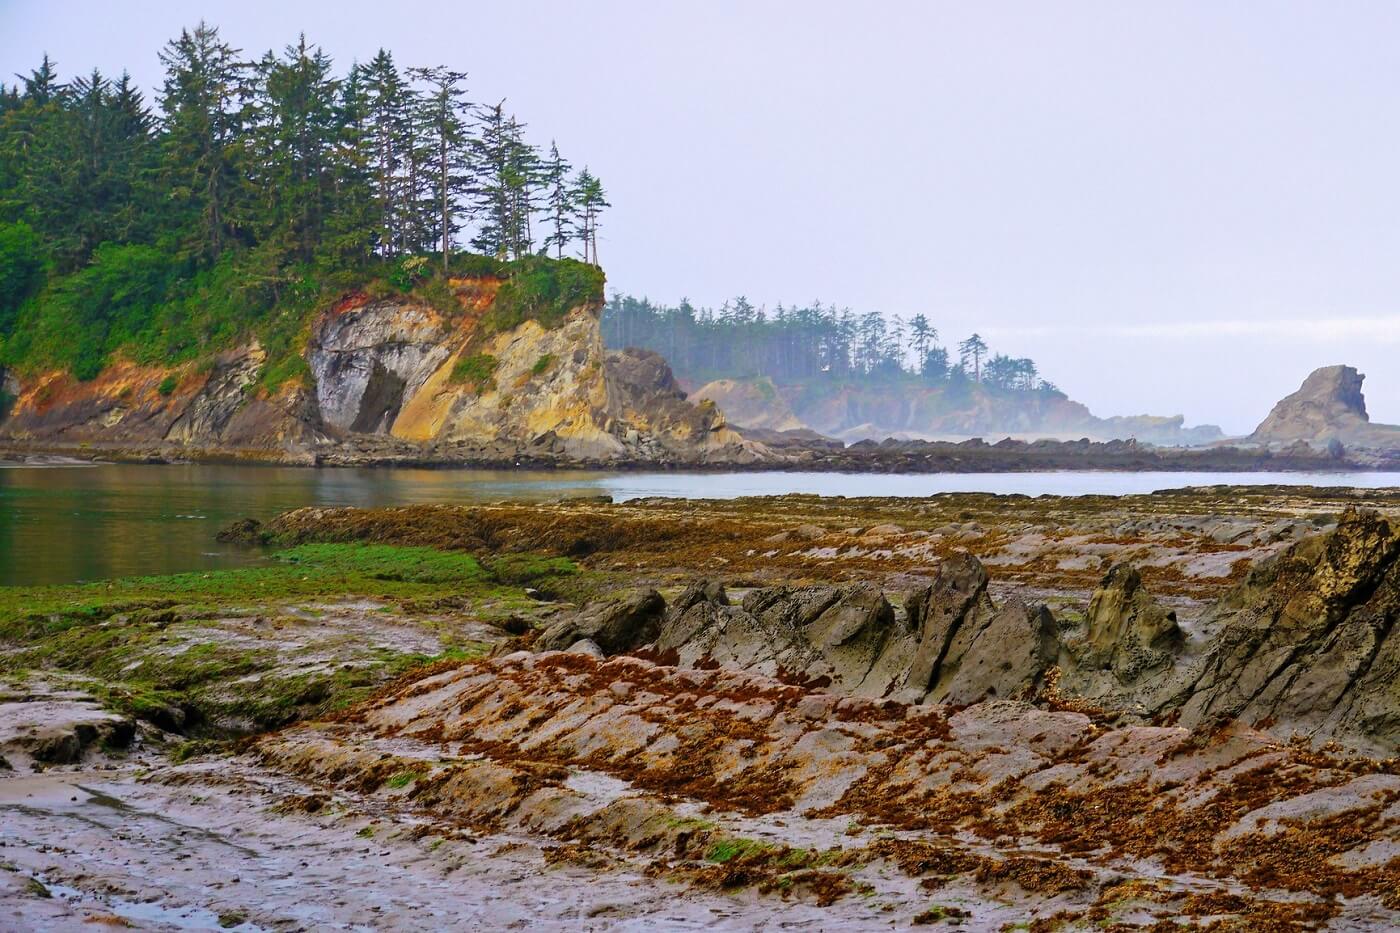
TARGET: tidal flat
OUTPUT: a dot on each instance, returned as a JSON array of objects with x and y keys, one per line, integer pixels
[{"x": 1001, "y": 712}]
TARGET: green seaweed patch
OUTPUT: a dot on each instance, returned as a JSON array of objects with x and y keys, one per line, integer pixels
[
  {"x": 307, "y": 571},
  {"x": 400, "y": 780},
  {"x": 149, "y": 649},
  {"x": 726, "y": 850},
  {"x": 521, "y": 569}
]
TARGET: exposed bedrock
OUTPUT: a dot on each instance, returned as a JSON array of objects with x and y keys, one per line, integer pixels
[
  {"x": 366, "y": 362},
  {"x": 1308, "y": 642},
  {"x": 613, "y": 625},
  {"x": 947, "y": 642},
  {"x": 1306, "y": 645},
  {"x": 1126, "y": 631}
]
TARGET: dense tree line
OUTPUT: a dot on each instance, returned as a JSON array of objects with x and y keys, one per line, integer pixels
[
  {"x": 802, "y": 343},
  {"x": 260, "y": 174}
]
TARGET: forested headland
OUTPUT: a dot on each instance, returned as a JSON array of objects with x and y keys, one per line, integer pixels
[
  {"x": 813, "y": 343},
  {"x": 858, "y": 375},
  {"x": 255, "y": 188}
]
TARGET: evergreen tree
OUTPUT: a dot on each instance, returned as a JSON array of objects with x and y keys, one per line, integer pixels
[
  {"x": 523, "y": 179},
  {"x": 204, "y": 83},
  {"x": 42, "y": 86},
  {"x": 559, "y": 203},
  {"x": 589, "y": 202},
  {"x": 491, "y": 186},
  {"x": 353, "y": 223},
  {"x": 921, "y": 335},
  {"x": 290, "y": 139},
  {"x": 75, "y": 164},
  {"x": 444, "y": 132},
  {"x": 389, "y": 103},
  {"x": 973, "y": 348}
]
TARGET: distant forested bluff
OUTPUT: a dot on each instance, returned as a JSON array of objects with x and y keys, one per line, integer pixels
[
  {"x": 806, "y": 341},
  {"x": 861, "y": 375},
  {"x": 257, "y": 188}
]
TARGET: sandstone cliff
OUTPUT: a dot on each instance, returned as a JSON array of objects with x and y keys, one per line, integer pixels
[
  {"x": 1327, "y": 407},
  {"x": 392, "y": 378}
]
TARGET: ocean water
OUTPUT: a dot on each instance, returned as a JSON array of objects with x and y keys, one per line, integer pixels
[{"x": 90, "y": 522}]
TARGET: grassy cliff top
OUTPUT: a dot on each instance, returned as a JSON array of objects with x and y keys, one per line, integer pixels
[{"x": 142, "y": 303}]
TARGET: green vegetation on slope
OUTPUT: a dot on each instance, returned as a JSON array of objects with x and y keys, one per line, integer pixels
[
  {"x": 475, "y": 370},
  {"x": 137, "y": 301},
  {"x": 260, "y": 190}
]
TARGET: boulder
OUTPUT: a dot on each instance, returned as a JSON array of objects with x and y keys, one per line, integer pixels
[{"x": 614, "y": 625}]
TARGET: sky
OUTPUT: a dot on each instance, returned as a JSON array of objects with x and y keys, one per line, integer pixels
[{"x": 1173, "y": 208}]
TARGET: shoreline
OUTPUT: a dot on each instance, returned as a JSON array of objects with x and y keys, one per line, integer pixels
[{"x": 890, "y": 457}]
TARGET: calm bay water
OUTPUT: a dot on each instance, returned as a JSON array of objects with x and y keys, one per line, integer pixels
[{"x": 67, "y": 523}]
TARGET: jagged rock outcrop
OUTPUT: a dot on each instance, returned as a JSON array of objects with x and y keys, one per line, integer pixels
[
  {"x": 394, "y": 379},
  {"x": 1328, "y": 409},
  {"x": 1308, "y": 642},
  {"x": 950, "y": 644},
  {"x": 1126, "y": 630},
  {"x": 824, "y": 634},
  {"x": 644, "y": 395}
]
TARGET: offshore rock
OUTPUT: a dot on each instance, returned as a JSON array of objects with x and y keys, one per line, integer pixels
[{"x": 1328, "y": 409}]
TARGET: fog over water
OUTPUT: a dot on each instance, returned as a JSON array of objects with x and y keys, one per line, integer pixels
[{"x": 1173, "y": 208}]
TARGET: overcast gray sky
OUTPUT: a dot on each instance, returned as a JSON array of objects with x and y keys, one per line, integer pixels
[{"x": 1176, "y": 207}]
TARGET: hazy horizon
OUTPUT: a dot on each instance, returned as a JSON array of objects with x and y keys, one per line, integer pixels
[{"x": 1181, "y": 209}]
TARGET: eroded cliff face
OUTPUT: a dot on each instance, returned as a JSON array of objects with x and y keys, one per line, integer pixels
[{"x": 393, "y": 379}]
